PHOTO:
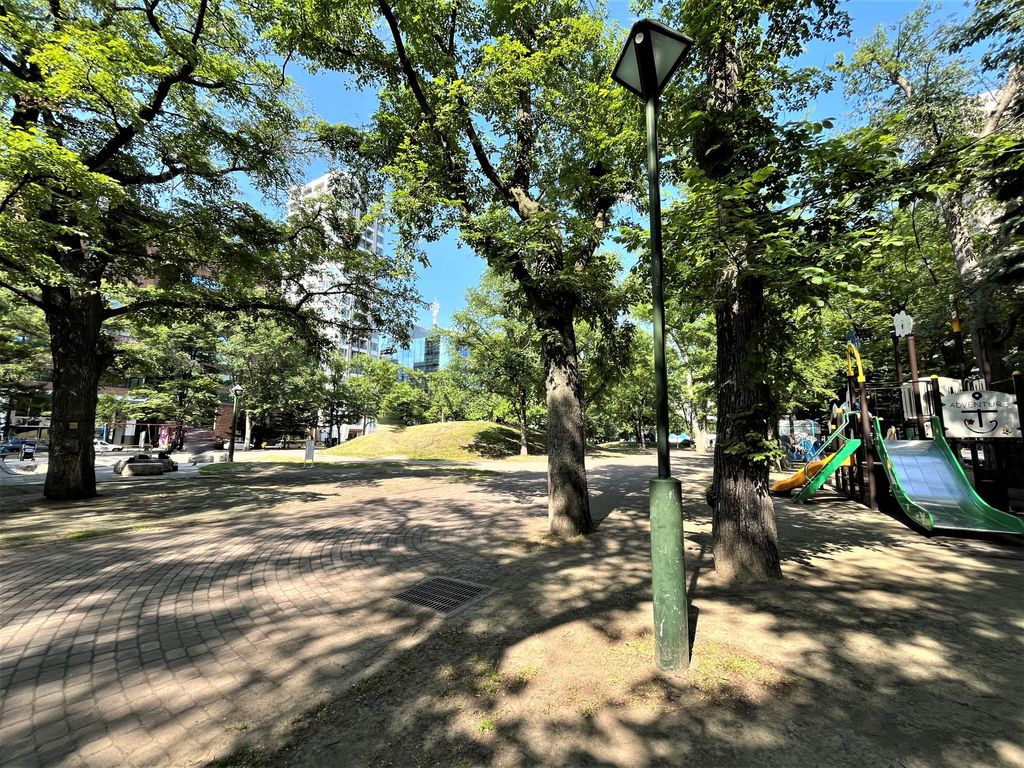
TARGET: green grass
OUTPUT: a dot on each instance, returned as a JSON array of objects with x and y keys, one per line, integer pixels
[
  {"x": 451, "y": 441},
  {"x": 239, "y": 465},
  {"x": 92, "y": 533},
  {"x": 219, "y": 468}
]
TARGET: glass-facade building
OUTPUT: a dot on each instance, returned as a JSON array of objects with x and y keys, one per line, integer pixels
[{"x": 424, "y": 353}]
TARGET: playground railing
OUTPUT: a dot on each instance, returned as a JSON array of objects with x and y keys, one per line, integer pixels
[{"x": 836, "y": 434}]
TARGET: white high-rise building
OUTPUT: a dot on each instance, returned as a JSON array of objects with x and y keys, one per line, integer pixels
[
  {"x": 298, "y": 197},
  {"x": 341, "y": 307},
  {"x": 371, "y": 239}
]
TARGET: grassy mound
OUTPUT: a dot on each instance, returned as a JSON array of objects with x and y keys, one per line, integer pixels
[{"x": 451, "y": 441}]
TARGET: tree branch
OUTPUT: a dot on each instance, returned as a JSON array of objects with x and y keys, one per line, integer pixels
[
  {"x": 13, "y": 191},
  {"x": 127, "y": 133},
  {"x": 12, "y": 66},
  {"x": 173, "y": 172},
  {"x": 198, "y": 303},
  {"x": 214, "y": 85},
  {"x": 1006, "y": 97},
  {"x": 413, "y": 81},
  {"x": 140, "y": 179},
  {"x": 182, "y": 74},
  {"x": 26, "y": 297},
  {"x": 154, "y": 22},
  {"x": 917, "y": 240},
  {"x": 200, "y": 22}
]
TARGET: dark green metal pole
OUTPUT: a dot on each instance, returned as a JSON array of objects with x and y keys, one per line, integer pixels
[
  {"x": 658, "y": 294},
  {"x": 671, "y": 631}
]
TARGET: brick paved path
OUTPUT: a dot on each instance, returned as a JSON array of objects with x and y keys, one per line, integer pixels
[{"x": 163, "y": 648}]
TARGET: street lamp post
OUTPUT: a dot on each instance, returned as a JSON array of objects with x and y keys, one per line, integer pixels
[
  {"x": 237, "y": 392},
  {"x": 650, "y": 57}
]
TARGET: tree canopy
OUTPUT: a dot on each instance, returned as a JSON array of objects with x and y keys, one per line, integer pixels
[
  {"x": 127, "y": 132},
  {"x": 499, "y": 120}
]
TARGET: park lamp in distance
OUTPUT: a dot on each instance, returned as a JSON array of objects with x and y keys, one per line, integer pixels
[
  {"x": 237, "y": 390},
  {"x": 651, "y": 56}
]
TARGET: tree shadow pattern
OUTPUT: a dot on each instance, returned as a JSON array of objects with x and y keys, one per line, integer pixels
[{"x": 180, "y": 647}]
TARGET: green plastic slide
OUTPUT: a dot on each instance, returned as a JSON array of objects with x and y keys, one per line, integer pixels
[
  {"x": 814, "y": 483},
  {"x": 932, "y": 488}
]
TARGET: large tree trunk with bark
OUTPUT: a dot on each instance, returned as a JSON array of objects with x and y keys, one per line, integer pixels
[
  {"x": 568, "y": 495},
  {"x": 79, "y": 358},
  {"x": 984, "y": 333},
  {"x": 745, "y": 539}
]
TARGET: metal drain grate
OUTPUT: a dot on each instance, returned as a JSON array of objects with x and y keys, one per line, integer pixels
[{"x": 441, "y": 594}]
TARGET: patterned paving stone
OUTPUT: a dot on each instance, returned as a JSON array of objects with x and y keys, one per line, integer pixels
[{"x": 158, "y": 648}]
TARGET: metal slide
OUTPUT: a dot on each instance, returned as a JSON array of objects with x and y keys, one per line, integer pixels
[{"x": 932, "y": 488}]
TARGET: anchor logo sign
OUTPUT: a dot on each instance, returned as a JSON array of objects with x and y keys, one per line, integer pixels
[
  {"x": 982, "y": 429},
  {"x": 969, "y": 423},
  {"x": 980, "y": 414}
]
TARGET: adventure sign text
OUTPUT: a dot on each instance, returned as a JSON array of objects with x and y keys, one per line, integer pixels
[{"x": 980, "y": 414}]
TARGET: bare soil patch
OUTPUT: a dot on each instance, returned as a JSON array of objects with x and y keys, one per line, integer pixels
[{"x": 880, "y": 648}]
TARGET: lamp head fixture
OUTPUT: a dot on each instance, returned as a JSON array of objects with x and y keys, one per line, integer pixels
[{"x": 652, "y": 54}]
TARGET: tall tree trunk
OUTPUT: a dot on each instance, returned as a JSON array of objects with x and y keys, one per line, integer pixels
[
  {"x": 699, "y": 436},
  {"x": 745, "y": 539},
  {"x": 987, "y": 351},
  {"x": 248, "y": 430},
  {"x": 568, "y": 496},
  {"x": 524, "y": 446},
  {"x": 79, "y": 358}
]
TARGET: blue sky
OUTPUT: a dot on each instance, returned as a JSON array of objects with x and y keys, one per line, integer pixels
[{"x": 452, "y": 268}]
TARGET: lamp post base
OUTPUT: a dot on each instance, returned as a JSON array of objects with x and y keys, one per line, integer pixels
[{"x": 671, "y": 629}]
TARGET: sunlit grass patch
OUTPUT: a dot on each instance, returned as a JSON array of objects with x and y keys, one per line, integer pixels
[
  {"x": 543, "y": 541},
  {"x": 637, "y": 650},
  {"x": 450, "y": 441},
  {"x": 92, "y": 533},
  {"x": 723, "y": 671},
  {"x": 222, "y": 467}
]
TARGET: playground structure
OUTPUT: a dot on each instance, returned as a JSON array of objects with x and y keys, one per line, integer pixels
[
  {"x": 920, "y": 470},
  {"x": 821, "y": 464}
]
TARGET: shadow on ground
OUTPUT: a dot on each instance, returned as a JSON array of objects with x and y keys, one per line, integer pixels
[
  {"x": 495, "y": 443},
  {"x": 880, "y": 648},
  {"x": 232, "y": 491}
]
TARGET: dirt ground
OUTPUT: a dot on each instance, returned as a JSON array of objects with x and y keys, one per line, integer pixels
[{"x": 881, "y": 646}]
